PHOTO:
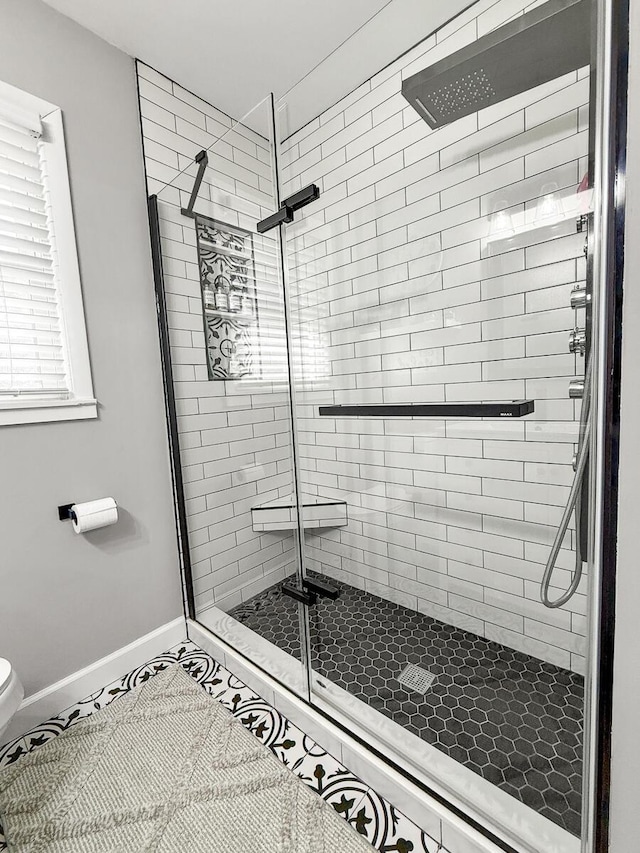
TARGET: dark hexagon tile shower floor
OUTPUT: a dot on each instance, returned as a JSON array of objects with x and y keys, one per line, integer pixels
[{"x": 515, "y": 720}]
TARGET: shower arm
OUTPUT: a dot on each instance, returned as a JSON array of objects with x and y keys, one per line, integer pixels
[{"x": 573, "y": 502}]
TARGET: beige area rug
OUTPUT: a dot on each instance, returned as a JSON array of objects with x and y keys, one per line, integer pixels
[{"x": 164, "y": 768}]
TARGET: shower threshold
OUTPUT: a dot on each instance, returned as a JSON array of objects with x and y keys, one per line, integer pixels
[{"x": 512, "y": 719}]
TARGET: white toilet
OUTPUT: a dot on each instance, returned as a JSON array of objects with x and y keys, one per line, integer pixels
[{"x": 11, "y": 694}]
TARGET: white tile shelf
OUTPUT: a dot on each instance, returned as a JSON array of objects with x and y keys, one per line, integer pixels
[
  {"x": 225, "y": 250},
  {"x": 280, "y": 514},
  {"x": 230, "y": 315}
]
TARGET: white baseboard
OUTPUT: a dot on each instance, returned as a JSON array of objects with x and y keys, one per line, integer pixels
[{"x": 47, "y": 703}]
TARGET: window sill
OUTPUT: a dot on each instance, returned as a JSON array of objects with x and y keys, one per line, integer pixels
[{"x": 46, "y": 411}]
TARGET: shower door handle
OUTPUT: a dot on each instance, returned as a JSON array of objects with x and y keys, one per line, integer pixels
[
  {"x": 303, "y": 595},
  {"x": 506, "y": 409},
  {"x": 321, "y": 588},
  {"x": 288, "y": 207},
  {"x": 285, "y": 214},
  {"x": 311, "y": 589}
]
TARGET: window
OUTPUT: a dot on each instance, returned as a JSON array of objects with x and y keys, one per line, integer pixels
[{"x": 44, "y": 359}]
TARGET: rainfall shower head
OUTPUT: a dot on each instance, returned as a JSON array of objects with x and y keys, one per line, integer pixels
[{"x": 551, "y": 40}]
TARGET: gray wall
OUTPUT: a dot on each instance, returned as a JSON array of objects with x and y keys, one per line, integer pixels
[
  {"x": 67, "y": 600},
  {"x": 625, "y": 772}
]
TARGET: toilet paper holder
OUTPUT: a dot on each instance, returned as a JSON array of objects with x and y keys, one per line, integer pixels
[
  {"x": 90, "y": 515},
  {"x": 65, "y": 513}
]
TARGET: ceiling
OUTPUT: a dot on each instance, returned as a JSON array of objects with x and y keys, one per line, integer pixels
[{"x": 233, "y": 54}]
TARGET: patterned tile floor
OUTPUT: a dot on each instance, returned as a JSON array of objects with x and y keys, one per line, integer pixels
[
  {"x": 515, "y": 720},
  {"x": 385, "y": 827}
]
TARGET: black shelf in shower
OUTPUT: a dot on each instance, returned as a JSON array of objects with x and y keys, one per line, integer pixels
[{"x": 512, "y": 409}]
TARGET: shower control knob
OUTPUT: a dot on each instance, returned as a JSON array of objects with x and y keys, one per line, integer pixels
[
  {"x": 578, "y": 341},
  {"x": 579, "y": 297},
  {"x": 574, "y": 461},
  {"x": 576, "y": 389}
]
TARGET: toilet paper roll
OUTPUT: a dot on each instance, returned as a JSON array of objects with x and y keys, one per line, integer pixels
[{"x": 94, "y": 514}]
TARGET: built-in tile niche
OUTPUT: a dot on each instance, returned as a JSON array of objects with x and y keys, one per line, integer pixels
[{"x": 226, "y": 262}]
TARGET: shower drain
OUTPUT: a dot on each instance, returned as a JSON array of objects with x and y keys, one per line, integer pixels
[{"x": 416, "y": 678}]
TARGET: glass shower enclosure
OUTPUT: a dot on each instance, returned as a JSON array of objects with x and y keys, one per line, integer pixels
[{"x": 379, "y": 328}]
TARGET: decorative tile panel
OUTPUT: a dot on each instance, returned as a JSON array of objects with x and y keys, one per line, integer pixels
[{"x": 229, "y": 302}]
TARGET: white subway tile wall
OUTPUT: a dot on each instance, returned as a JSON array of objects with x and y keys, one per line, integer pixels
[
  {"x": 234, "y": 435},
  {"x": 403, "y": 292}
]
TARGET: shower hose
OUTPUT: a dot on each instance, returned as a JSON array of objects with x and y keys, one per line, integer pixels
[{"x": 572, "y": 503}]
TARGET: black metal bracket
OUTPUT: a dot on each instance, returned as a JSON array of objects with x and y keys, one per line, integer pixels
[
  {"x": 322, "y": 588},
  {"x": 65, "y": 514},
  {"x": 582, "y": 223},
  {"x": 299, "y": 199},
  {"x": 202, "y": 159},
  {"x": 512, "y": 409},
  {"x": 303, "y": 595},
  {"x": 303, "y": 197}
]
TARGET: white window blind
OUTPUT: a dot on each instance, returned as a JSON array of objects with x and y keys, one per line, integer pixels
[{"x": 32, "y": 343}]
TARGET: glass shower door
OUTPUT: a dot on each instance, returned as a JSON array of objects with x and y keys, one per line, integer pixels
[
  {"x": 225, "y": 357},
  {"x": 433, "y": 289}
]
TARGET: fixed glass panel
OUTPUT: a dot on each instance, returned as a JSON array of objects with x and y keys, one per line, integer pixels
[
  {"x": 445, "y": 264},
  {"x": 226, "y": 320}
]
